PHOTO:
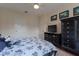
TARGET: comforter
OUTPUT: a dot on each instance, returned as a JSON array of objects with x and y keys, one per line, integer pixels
[{"x": 29, "y": 46}]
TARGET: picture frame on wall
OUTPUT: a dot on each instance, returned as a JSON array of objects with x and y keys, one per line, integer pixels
[
  {"x": 64, "y": 14},
  {"x": 76, "y": 11},
  {"x": 54, "y": 17}
]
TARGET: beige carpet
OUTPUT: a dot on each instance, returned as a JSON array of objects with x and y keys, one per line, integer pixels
[{"x": 63, "y": 53}]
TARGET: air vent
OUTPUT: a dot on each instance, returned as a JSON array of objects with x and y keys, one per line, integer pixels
[{"x": 26, "y": 11}]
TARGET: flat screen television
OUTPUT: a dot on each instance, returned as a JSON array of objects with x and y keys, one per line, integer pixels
[{"x": 52, "y": 28}]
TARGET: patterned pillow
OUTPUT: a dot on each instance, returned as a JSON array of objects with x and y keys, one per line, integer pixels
[{"x": 2, "y": 45}]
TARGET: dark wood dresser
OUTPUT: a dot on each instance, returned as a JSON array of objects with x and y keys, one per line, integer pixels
[
  {"x": 70, "y": 34},
  {"x": 54, "y": 38}
]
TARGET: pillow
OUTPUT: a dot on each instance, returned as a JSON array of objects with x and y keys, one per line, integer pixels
[
  {"x": 8, "y": 43},
  {"x": 2, "y": 39},
  {"x": 13, "y": 39},
  {"x": 8, "y": 39},
  {"x": 17, "y": 42},
  {"x": 2, "y": 45}
]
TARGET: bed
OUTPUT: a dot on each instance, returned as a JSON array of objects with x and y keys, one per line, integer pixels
[{"x": 27, "y": 46}]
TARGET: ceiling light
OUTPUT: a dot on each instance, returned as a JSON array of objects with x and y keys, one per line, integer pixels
[{"x": 36, "y": 6}]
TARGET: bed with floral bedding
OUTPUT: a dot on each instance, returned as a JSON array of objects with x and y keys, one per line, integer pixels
[{"x": 28, "y": 46}]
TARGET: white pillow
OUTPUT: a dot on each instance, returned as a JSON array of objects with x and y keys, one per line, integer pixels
[{"x": 8, "y": 39}]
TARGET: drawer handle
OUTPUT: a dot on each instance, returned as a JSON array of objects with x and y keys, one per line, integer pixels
[{"x": 54, "y": 36}]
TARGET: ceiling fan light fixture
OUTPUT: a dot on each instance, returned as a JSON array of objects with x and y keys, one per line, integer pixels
[{"x": 36, "y": 6}]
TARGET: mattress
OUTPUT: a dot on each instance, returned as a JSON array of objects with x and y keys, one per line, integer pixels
[{"x": 28, "y": 46}]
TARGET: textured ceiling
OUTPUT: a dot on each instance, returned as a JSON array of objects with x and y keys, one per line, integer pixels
[{"x": 21, "y": 7}]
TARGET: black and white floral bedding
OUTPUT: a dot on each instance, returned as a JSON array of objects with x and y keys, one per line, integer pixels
[{"x": 28, "y": 46}]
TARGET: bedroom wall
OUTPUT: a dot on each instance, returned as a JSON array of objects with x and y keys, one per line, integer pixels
[
  {"x": 45, "y": 18},
  {"x": 14, "y": 23}
]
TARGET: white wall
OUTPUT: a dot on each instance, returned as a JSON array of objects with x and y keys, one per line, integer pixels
[
  {"x": 45, "y": 18},
  {"x": 14, "y": 23},
  {"x": 17, "y": 24}
]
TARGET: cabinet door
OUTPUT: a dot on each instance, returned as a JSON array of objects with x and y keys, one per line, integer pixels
[
  {"x": 77, "y": 30},
  {"x": 72, "y": 30},
  {"x": 77, "y": 36}
]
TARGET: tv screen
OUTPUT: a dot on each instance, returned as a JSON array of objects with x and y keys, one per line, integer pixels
[{"x": 52, "y": 28}]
